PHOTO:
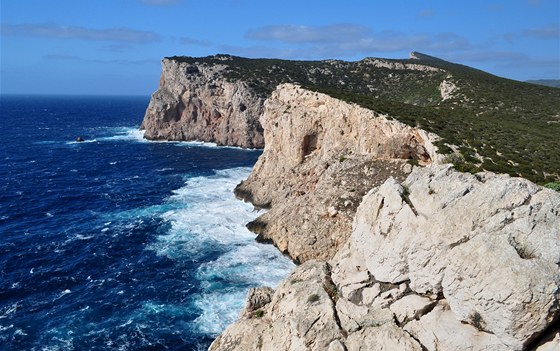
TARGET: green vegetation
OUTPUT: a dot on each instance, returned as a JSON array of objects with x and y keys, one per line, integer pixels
[
  {"x": 259, "y": 313},
  {"x": 553, "y": 186},
  {"x": 313, "y": 298},
  {"x": 548, "y": 82},
  {"x": 488, "y": 123}
]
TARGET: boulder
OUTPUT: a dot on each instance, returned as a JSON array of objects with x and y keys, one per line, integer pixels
[
  {"x": 489, "y": 243},
  {"x": 440, "y": 330}
]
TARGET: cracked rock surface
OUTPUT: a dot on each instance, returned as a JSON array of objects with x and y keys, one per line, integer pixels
[
  {"x": 441, "y": 261},
  {"x": 321, "y": 156}
]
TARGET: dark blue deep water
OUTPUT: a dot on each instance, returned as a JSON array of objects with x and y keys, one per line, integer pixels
[{"x": 117, "y": 243}]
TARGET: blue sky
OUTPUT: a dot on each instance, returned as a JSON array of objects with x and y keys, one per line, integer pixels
[{"x": 115, "y": 46}]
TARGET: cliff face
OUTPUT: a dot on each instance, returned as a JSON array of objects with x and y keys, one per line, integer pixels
[
  {"x": 195, "y": 102},
  {"x": 393, "y": 257},
  {"x": 321, "y": 156},
  {"x": 441, "y": 261}
]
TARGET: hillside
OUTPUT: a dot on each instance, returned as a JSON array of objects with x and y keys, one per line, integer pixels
[
  {"x": 555, "y": 83},
  {"x": 485, "y": 122}
]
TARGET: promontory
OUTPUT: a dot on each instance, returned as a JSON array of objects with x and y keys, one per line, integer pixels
[{"x": 410, "y": 193}]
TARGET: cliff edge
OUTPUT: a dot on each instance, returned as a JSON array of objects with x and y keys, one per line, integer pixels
[
  {"x": 394, "y": 257},
  {"x": 441, "y": 261},
  {"x": 321, "y": 156},
  {"x": 195, "y": 102}
]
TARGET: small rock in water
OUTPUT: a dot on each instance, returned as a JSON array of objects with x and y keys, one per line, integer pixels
[{"x": 79, "y": 139}]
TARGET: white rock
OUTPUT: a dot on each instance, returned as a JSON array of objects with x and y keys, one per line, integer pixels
[
  {"x": 552, "y": 345},
  {"x": 385, "y": 337},
  {"x": 410, "y": 307},
  {"x": 301, "y": 316},
  {"x": 440, "y": 330},
  {"x": 257, "y": 298},
  {"x": 495, "y": 241},
  {"x": 332, "y": 211},
  {"x": 488, "y": 285},
  {"x": 336, "y": 345},
  {"x": 370, "y": 294}
]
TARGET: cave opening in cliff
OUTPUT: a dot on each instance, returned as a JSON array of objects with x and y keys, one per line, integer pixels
[{"x": 309, "y": 143}]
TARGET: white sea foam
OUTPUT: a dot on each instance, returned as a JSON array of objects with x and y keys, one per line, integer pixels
[
  {"x": 6, "y": 327},
  {"x": 126, "y": 134},
  {"x": 81, "y": 142},
  {"x": 206, "y": 217},
  {"x": 8, "y": 310}
]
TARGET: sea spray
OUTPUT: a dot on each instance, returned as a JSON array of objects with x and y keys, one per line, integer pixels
[{"x": 119, "y": 243}]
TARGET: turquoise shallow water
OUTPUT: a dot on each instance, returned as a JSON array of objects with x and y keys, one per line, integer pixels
[{"x": 117, "y": 243}]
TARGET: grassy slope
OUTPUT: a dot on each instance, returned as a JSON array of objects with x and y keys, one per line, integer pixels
[{"x": 496, "y": 124}]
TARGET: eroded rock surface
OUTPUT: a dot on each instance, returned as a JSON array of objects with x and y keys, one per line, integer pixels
[
  {"x": 301, "y": 316},
  {"x": 442, "y": 261},
  {"x": 321, "y": 156},
  {"x": 488, "y": 243},
  {"x": 195, "y": 102}
]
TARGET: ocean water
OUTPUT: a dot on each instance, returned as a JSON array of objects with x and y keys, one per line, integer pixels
[{"x": 117, "y": 243}]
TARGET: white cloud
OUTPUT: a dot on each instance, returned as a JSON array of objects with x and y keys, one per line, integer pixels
[
  {"x": 193, "y": 41},
  {"x": 66, "y": 57},
  {"x": 549, "y": 32},
  {"x": 56, "y": 31},
  {"x": 310, "y": 34},
  {"x": 351, "y": 39}
]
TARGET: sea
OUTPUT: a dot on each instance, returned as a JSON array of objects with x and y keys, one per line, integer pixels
[{"x": 116, "y": 242}]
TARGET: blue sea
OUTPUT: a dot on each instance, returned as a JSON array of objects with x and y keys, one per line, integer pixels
[{"x": 118, "y": 243}]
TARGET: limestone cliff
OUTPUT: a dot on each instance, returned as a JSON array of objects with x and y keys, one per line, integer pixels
[
  {"x": 195, "y": 102},
  {"x": 321, "y": 156},
  {"x": 441, "y": 261},
  {"x": 393, "y": 257}
]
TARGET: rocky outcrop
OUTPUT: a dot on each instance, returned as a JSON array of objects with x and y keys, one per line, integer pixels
[
  {"x": 393, "y": 258},
  {"x": 441, "y": 261},
  {"x": 489, "y": 244},
  {"x": 195, "y": 102},
  {"x": 379, "y": 63},
  {"x": 321, "y": 156}
]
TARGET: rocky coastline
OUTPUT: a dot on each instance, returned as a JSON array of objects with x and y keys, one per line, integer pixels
[
  {"x": 397, "y": 250},
  {"x": 195, "y": 102}
]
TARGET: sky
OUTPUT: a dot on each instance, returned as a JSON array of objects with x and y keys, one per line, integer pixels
[{"x": 115, "y": 47}]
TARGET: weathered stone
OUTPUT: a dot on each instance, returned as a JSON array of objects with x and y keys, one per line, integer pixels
[
  {"x": 370, "y": 294},
  {"x": 440, "y": 330},
  {"x": 411, "y": 307},
  {"x": 301, "y": 316},
  {"x": 195, "y": 102},
  {"x": 354, "y": 317},
  {"x": 257, "y": 298},
  {"x": 381, "y": 338},
  {"x": 552, "y": 345},
  {"x": 488, "y": 243},
  {"x": 317, "y": 150},
  {"x": 337, "y": 345},
  {"x": 489, "y": 286}
]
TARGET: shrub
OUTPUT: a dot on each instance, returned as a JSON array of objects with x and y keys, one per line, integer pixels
[
  {"x": 313, "y": 298},
  {"x": 553, "y": 186}
]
